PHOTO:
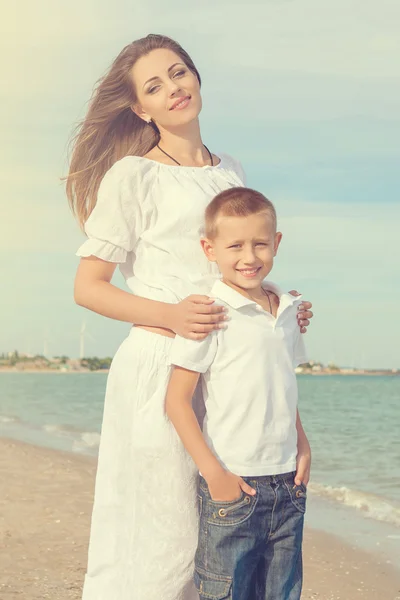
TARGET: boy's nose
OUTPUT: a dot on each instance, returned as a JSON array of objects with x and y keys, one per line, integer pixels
[{"x": 249, "y": 257}]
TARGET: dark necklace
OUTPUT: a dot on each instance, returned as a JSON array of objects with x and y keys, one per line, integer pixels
[
  {"x": 172, "y": 158},
  {"x": 269, "y": 300}
]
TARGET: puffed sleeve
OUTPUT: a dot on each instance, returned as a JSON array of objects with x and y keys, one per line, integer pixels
[
  {"x": 115, "y": 224},
  {"x": 194, "y": 355},
  {"x": 240, "y": 172},
  {"x": 236, "y": 166}
]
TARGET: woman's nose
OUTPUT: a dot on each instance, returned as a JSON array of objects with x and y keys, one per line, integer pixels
[{"x": 173, "y": 88}]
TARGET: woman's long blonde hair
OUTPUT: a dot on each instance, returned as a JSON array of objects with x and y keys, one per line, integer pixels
[{"x": 110, "y": 129}]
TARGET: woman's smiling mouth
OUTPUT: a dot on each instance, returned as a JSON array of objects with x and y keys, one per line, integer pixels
[{"x": 181, "y": 103}]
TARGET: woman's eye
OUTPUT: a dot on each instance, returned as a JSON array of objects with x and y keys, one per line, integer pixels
[
  {"x": 179, "y": 73},
  {"x": 153, "y": 89}
]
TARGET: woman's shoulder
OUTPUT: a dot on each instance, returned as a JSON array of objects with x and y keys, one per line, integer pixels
[
  {"x": 146, "y": 169},
  {"x": 131, "y": 165},
  {"x": 230, "y": 162},
  {"x": 130, "y": 173},
  {"x": 226, "y": 159}
]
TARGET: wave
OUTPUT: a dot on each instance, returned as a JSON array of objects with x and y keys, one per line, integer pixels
[
  {"x": 88, "y": 439},
  {"x": 81, "y": 439},
  {"x": 63, "y": 429},
  {"x": 8, "y": 419},
  {"x": 370, "y": 505}
]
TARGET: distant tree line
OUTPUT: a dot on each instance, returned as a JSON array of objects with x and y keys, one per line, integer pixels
[
  {"x": 92, "y": 363},
  {"x": 12, "y": 358},
  {"x": 95, "y": 363}
]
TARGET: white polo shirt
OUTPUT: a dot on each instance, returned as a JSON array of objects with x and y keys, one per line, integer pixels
[{"x": 249, "y": 384}]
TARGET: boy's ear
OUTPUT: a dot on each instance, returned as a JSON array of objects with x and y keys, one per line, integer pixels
[
  {"x": 278, "y": 239},
  {"x": 208, "y": 249}
]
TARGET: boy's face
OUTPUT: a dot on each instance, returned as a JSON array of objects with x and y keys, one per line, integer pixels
[{"x": 244, "y": 249}]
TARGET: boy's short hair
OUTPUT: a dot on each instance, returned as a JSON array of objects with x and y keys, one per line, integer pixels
[{"x": 236, "y": 202}]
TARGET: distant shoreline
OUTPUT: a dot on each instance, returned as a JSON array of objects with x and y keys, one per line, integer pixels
[
  {"x": 53, "y": 371},
  {"x": 323, "y": 372},
  {"x": 352, "y": 373}
]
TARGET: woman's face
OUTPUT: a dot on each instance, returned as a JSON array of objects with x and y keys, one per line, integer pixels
[{"x": 166, "y": 90}]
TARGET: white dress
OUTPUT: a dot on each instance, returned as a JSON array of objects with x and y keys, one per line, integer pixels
[{"x": 148, "y": 218}]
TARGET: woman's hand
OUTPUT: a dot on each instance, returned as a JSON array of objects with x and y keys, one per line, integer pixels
[
  {"x": 304, "y": 314},
  {"x": 227, "y": 487},
  {"x": 195, "y": 316}
]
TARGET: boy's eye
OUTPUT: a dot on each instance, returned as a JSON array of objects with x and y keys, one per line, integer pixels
[
  {"x": 261, "y": 244},
  {"x": 234, "y": 246}
]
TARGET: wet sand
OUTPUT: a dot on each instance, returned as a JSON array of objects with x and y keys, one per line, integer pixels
[{"x": 45, "y": 506}]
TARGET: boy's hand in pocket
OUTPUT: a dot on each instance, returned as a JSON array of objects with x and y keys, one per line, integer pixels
[
  {"x": 303, "y": 466},
  {"x": 227, "y": 487}
]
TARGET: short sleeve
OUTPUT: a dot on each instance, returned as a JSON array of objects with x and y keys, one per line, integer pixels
[
  {"x": 115, "y": 224},
  {"x": 300, "y": 353},
  {"x": 194, "y": 355}
]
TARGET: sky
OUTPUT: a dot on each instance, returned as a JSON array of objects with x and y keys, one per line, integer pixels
[{"x": 304, "y": 93}]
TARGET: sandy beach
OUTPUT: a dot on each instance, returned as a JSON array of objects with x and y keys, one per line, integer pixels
[{"x": 45, "y": 507}]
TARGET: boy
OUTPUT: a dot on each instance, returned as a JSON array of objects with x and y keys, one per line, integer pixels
[{"x": 251, "y": 500}]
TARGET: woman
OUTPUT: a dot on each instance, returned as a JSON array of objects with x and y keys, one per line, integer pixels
[{"x": 140, "y": 179}]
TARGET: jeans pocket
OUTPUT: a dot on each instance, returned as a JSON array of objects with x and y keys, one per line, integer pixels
[
  {"x": 231, "y": 513},
  {"x": 298, "y": 495},
  {"x": 211, "y": 586}
]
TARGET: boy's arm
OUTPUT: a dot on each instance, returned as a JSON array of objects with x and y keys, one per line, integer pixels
[
  {"x": 178, "y": 405},
  {"x": 303, "y": 454},
  {"x": 223, "y": 485}
]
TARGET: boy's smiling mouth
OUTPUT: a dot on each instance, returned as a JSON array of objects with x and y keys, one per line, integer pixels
[{"x": 249, "y": 272}]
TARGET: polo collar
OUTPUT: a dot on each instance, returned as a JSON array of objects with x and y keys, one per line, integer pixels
[{"x": 236, "y": 300}]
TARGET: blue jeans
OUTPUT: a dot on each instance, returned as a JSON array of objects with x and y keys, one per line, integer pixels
[{"x": 250, "y": 548}]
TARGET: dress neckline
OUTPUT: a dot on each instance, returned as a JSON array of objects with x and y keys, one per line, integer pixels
[{"x": 220, "y": 158}]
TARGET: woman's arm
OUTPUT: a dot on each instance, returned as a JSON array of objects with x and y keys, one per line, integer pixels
[
  {"x": 94, "y": 291},
  {"x": 303, "y": 454},
  {"x": 193, "y": 317}
]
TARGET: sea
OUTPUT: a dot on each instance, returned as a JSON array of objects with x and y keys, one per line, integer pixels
[{"x": 353, "y": 424}]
